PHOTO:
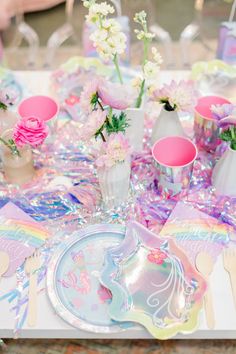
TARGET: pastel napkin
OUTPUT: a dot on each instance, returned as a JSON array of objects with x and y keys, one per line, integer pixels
[
  {"x": 20, "y": 235},
  {"x": 195, "y": 231}
]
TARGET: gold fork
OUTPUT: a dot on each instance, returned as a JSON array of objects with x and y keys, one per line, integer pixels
[
  {"x": 32, "y": 264},
  {"x": 229, "y": 261}
]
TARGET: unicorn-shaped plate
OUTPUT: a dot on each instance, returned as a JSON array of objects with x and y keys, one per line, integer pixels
[{"x": 153, "y": 283}]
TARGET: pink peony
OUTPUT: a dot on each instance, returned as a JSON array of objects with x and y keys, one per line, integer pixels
[
  {"x": 115, "y": 150},
  {"x": 87, "y": 95},
  {"x": 95, "y": 121},
  {"x": 30, "y": 131},
  {"x": 115, "y": 95},
  {"x": 156, "y": 256},
  {"x": 181, "y": 96}
]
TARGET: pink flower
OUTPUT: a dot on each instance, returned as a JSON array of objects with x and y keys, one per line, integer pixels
[
  {"x": 115, "y": 150},
  {"x": 227, "y": 122},
  {"x": 87, "y": 95},
  {"x": 156, "y": 256},
  {"x": 7, "y": 97},
  {"x": 72, "y": 100},
  {"x": 115, "y": 95},
  {"x": 30, "y": 131},
  {"x": 95, "y": 121},
  {"x": 181, "y": 96},
  {"x": 221, "y": 111}
]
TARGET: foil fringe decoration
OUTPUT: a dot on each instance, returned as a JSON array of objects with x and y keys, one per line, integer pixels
[{"x": 65, "y": 196}]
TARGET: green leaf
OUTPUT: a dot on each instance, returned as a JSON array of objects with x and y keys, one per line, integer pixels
[
  {"x": 226, "y": 135},
  {"x": 94, "y": 99},
  {"x": 233, "y": 145},
  {"x": 117, "y": 124},
  {"x": 3, "y": 106}
]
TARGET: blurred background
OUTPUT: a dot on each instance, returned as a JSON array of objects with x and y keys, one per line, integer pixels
[{"x": 186, "y": 32}]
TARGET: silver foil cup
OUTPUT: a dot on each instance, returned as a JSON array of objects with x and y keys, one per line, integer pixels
[
  {"x": 174, "y": 157},
  {"x": 205, "y": 129}
]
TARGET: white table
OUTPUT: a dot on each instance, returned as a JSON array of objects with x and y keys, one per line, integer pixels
[{"x": 49, "y": 325}]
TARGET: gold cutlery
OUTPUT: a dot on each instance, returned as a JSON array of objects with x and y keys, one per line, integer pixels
[
  {"x": 229, "y": 261},
  {"x": 32, "y": 264},
  {"x": 205, "y": 265}
]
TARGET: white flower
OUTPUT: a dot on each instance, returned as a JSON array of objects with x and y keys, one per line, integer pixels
[
  {"x": 150, "y": 70},
  {"x": 109, "y": 43},
  {"x": 111, "y": 25},
  {"x": 140, "y": 17},
  {"x": 97, "y": 11},
  {"x": 88, "y": 3},
  {"x": 157, "y": 56},
  {"x": 99, "y": 35},
  {"x": 141, "y": 35},
  {"x": 137, "y": 82}
]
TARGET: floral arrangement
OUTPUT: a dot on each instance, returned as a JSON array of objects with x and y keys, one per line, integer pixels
[
  {"x": 30, "y": 131},
  {"x": 115, "y": 150},
  {"x": 98, "y": 100},
  {"x": 177, "y": 96},
  {"x": 5, "y": 100},
  {"x": 150, "y": 69},
  {"x": 108, "y": 39},
  {"x": 225, "y": 116}
]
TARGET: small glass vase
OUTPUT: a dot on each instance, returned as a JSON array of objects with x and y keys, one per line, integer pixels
[
  {"x": 167, "y": 124},
  {"x": 18, "y": 169},
  {"x": 8, "y": 120},
  {"x": 114, "y": 183}
]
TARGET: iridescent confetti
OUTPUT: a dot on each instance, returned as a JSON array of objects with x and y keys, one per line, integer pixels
[{"x": 64, "y": 195}]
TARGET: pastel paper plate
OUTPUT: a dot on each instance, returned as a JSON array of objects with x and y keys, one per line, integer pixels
[
  {"x": 73, "y": 276},
  {"x": 153, "y": 283}
]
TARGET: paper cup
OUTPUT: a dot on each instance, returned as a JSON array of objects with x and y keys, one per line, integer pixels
[
  {"x": 174, "y": 157},
  {"x": 43, "y": 107},
  {"x": 205, "y": 128}
]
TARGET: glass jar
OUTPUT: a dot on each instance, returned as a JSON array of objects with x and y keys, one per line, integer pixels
[
  {"x": 8, "y": 120},
  {"x": 17, "y": 169}
]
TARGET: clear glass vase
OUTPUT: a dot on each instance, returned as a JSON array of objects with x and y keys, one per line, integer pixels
[
  {"x": 18, "y": 169},
  {"x": 8, "y": 120}
]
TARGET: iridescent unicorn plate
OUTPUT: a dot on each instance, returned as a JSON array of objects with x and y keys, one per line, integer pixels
[
  {"x": 73, "y": 279},
  {"x": 153, "y": 284}
]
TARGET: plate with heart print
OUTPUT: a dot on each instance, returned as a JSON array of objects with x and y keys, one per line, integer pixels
[{"x": 73, "y": 279}]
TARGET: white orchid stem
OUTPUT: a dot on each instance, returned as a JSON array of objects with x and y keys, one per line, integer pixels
[{"x": 115, "y": 61}]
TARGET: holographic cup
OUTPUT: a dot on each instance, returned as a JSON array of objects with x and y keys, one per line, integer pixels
[
  {"x": 174, "y": 157},
  {"x": 205, "y": 128}
]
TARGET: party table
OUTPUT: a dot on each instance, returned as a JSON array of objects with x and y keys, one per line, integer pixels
[{"x": 50, "y": 325}]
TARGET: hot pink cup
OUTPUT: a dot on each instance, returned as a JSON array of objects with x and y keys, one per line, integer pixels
[
  {"x": 174, "y": 157},
  {"x": 205, "y": 128},
  {"x": 43, "y": 107}
]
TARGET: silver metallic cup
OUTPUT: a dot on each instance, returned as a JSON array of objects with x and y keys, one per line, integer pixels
[
  {"x": 174, "y": 157},
  {"x": 205, "y": 128}
]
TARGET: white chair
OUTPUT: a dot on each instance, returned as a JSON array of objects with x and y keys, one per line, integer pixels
[
  {"x": 59, "y": 36},
  {"x": 208, "y": 16},
  {"x": 22, "y": 31}
]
